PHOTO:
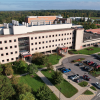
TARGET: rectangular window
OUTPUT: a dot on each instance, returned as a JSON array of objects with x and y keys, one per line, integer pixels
[
  {"x": 42, "y": 36},
  {"x": 67, "y": 38},
  {"x": 35, "y": 43},
  {"x": 31, "y": 38},
  {"x": 14, "y": 40},
  {"x": 39, "y": 37},
  {"x": 64, "y": 43},
  {"x": 0, "y": 42},
  {"x": 15, "y": 51},
  {"x": 6, "y": 47},
  {"x": 59, "y": 34},
  {"x": 1, "y": 48},
  {"x": 52, "y": 40},
  {"x": 70, "y": 33},
  {"x": 32, "y": 49},
  {"x": 39, "y": 47},
  {"x": 7, "y": 59},
  {"x": 70, "y": 37},
  {"x": 39, "y": 42},
  {"x": 2, "y": 60},
  {"x": 43, "y": 42},
  {"x": 16, "y": 58},
  {"x": 64, "y": 38},
  {"x": 67, "y": 42},
  {"x": 12, "y": 58},
  {"x": 6, "y": 53},
  {"x": 67, "y": 33},
  {"x": 56, "y": 40},
  {"x": 52, "y": 45},
  {"x": 62, "y": 34},
  {"x": 10, "y": 40},
  {"x": 11, "y": 52},
  {"x": 31, "y": 43},
  {"x": 49, "y": 40},
  {"x": 49, "y": 35},
  {"x": 56, "y": 34},
  {"x": 35, "y": 37},
  {"x": 2, "y": 54},
  {"x": 5, "y": 41},
  {"x": 35, "y": 48},
  {"x": 15, "y": 46},
  {"x": 49, "y": 45},
  {"x": 43, "y": 47},
  {"x": 46, "y": 41},
  {"x": 52, "y": 35},
  {"x": 55, "y": 44},
  {"x": 46, "y": 36},
  {"x": 61, "y": 43},
  {"x": 46, "y": 46},
  {"x": 59, "y": 39}
]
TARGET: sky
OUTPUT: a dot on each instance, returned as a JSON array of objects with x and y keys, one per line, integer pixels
[{"x": 6, "y": 5}]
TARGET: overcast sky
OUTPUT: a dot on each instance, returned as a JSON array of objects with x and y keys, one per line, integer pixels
[{"x": 49, "y": 4}]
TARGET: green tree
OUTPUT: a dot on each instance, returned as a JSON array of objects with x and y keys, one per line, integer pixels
[
  {"x": 49, "y": 66},
  {"x": 26, "y": 96},
  {"x": 22, "y": 88},
  {"x": 14, "y": 80},
  {"x": 57, "y": 77},
  {"x": 1, "y": 69},
  {"x": 43, "y": 93},
  {"x": 6, "y": 89},
  {"x": 32, "y": 68}
]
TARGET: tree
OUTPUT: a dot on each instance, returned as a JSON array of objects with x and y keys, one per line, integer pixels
[
  {"x": 14, "y": 80},
  {"x": 6, "y": 89},
  {"x": 26, "y": 96},
  {"x": 57, "y": 77},
  {"x": 1, "y": 69},
  {"x": 49, "y": 66},
  {"x": 8, "y": 69},
  {"x": 22, "y": 88},
  {"x": 32, "y": 68},
  {"x": 43, "y": 93}
]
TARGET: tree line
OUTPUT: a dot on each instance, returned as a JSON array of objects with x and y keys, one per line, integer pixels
[{"x": 7, "y": 16}]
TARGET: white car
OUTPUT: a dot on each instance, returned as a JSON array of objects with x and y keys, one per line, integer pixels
[
  {"x": 97, "y": 84},
  {"x": 74, "y": 76}
]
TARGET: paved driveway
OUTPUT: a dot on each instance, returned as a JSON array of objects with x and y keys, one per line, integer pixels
[{"x": 78, "y": 70}]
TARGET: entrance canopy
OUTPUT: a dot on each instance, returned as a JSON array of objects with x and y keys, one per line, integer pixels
[{"x": 25, "y": 54}]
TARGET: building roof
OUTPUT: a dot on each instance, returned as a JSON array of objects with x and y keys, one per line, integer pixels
[{"x": 94, "y": 30}]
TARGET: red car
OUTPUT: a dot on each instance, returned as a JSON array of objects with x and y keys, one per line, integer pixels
[
  {"x": 86, "y": 77},
  {"x": 97, "y": 66},
  {"x": 91, "y": 62}
]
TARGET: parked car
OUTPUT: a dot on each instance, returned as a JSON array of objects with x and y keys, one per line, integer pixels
[
  {"x": 74, "y": 76},
  {"x": 97, "y": 84},
  {"x": 97, "y": 66},
  {"x": 61, "y": 68},
  {"x": 87, "y": 61},
  {"x": 80, "y": 64},
  {"x": 94, "y": 64},
  {"x": 91, "y": 62},
  {"x": 78, "y": 80},
  {"x": 64, "y": 70},
  {"x": 88, "y": 68},
  {"x": 86, "y": 77}
]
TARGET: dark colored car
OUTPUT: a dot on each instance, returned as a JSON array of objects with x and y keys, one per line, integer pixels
[
  {"x": 86, "y": 77},
  {"x": 78, "y": 80},
  {"x": 88, "y": 68},
  {"x": 61, "y": 68},
  {"x": 87, "y": 61},
  {"x": 80, "y": 64},
  {"x": 94, "y": 64}
]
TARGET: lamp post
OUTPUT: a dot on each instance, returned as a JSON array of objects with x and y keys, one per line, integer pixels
[{"x": 59, "y": 94}]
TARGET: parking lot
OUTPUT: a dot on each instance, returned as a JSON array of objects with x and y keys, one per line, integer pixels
[{"x": 79, "y": 70}]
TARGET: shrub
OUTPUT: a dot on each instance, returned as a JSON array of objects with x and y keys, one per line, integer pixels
[
  {"x": 83, "y": 84},
  {"x": 55, "y": 54},
  {"x": 87, "y": 92},
  {"x": 93, "y": 88},
  {"x": 49, "y": 66}
]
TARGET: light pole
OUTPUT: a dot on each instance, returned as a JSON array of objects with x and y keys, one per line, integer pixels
[{"x": 59, "y": 94}]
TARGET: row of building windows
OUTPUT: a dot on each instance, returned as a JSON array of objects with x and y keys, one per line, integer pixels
[
  {"x": 1, "y": 48},
  {"x": 11, "y": 59},
  {"x": 52, "y": 46},
  {"x": 8, "y": 54},
  {"x": 50, "y": 41},
  {"x": 52, "y": 36},
  {"x": 6, "y": 41}
]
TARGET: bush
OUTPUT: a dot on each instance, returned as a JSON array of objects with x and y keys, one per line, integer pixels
[
  {"x": 93, "y": 88},
  {"x": 57, "y": 77},
  {"x": 83, "y": 84},
  {"x": 87, "y": 92},
  {"x": 55, "y": 54},
  {"x": 49, "y": 66}
]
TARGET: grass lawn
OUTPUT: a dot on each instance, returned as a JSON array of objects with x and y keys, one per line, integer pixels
[
  {"x": 93, "y": 88},
  {"x": 96, "y": 73},
  {"x": 85, "y": 51},
  {"x": 35, "y": 83},
  {"x": 88, "y": 92},
  {"x": 95, "y": 18},
  {"x": 83, "y": 84},
  {"x": 66, "y": 88},
  {"x": 53, "y": 59}
]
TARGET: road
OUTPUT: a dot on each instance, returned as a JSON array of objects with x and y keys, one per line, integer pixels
[{"x": 97, "y": 97}]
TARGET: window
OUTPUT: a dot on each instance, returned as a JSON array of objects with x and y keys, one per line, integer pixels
[
  {"x": 15, "y": 51},
  {"x": 49, "y": 45},
  {"x": 49, "y": 35},
  {"x": 11, "y": 52},
  {"x": 35, "y": 48},
  {"x": 46, "y": 36},
  {"x": 31, "y": 38},
  {"x": 15, "y": 46},
  {"x": 42, "y": 36},
  {"x": 7, "y": 59},
  {"x": 39, "y": 37},
  {"x": 46, "y": 46},
  {"x": 39, "y": 42},
  {"x": 10, "y": 46},
  {"x": 62, "y": 34},
  {"x": 55, "y": 44},
  {"x": 59, "y": 39},
  {"x": 52, "y": 40},
  {"x": 67, "y": 38},
  {"x": 52, "y": 45},
  {"x": 67, "y": 42},
  {"x": 35, "y": 37},
  {"x": 2, "y": 54},
  {"x": 1, "y": 48},
  {"x": 64, "y": 43},
  {"x": 31, "y": 43},
  {"x": 64, "y": 38},
  {"x": 5, "y": 41},
  {"x": 67, "y": 33},
  {"x": 10, "y": 40},
  {"x": 12, "y": 58},
  {"x": 16, "y": 58},
  {"x": 39, "y": 47},
  {"x": 35, "y": 43},
  {"x": 59, "y": 34},
  {"x": 70, "y": 37},
  {"x": 2, "y": 60},
  {"x": 56, "y": 34},
  {"x": 43, "y": 42},
  {"x": 56, "y": 40},
  {"x": 43, "y": 47},
  {"x": 14, "y": 40},
  {"x": 58, "y": 44},
  {"x": 70, "y": 33},
  {"x": 49, "y": 40},
  {"x": 46, "y": 41},
  {"x": 32, "y": 49},
  {"x": 6, "y": 53},
  {"x": 6, "y": 47},
  {"x": 0, "y": 42},
  {"x": 61, "y": 43},
  {"x": 52, "y": 35}
]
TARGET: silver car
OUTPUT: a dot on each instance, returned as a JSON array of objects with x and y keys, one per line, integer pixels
[
  {"x": 74, "y": 76},
  {"x": 97, "y": 84}
]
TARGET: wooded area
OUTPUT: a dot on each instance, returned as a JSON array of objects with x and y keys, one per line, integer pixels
[{"x": 7, "y": 16}]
